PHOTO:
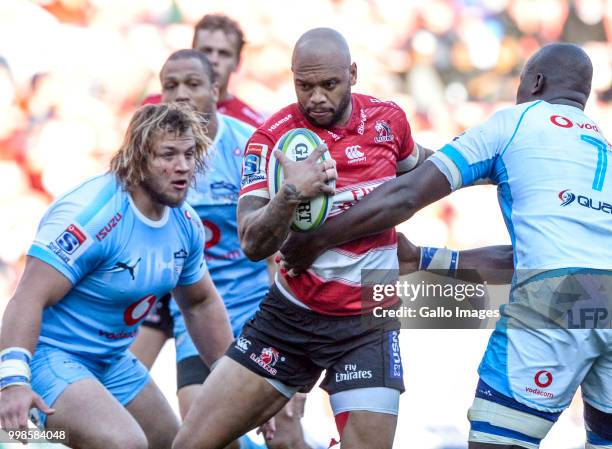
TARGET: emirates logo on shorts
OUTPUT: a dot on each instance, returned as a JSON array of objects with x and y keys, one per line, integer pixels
[{"x": 543, "y": 379}]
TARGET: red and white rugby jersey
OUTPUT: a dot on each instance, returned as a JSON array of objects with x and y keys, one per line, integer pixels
[
  {"x": 235, "y": 107},
  {"x": 374, "y": 145}
]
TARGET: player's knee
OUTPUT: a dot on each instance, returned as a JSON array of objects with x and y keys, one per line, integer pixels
[
  {"x": 162, "y": 439},
  {"x": 598, "y": 426},
  {"x": 129, "y": 441},
  {"x": 186, "y": 440},
  {"x": 499, "y": 421}
]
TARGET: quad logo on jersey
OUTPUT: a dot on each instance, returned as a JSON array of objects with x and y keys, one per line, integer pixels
[
  {"x": 354, "y": 154},
  {"x": 384, "y": 132},
  {"x": 138, "y": 310},
  {"x": 568, "y": 198}
]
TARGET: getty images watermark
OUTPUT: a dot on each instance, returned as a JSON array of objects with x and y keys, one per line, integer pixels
[{"x": 471, "y": 300}]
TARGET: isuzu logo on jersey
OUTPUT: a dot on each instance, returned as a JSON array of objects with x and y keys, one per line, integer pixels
[
  {"x": 568, "y": 198},
  {"x": 102, "y": 233},
  {"x": 564, "y": 122},
  {"x": 138, "y": 310},
  {"x": 354, "y": 154},
  {"x": 384, "y": 132}
]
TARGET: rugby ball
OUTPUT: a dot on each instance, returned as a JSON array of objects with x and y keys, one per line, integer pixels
[{"x": 297, "y": 144}]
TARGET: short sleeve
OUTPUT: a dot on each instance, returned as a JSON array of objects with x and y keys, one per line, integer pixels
[
  {"x": 62, "y": 242},
  {"x": 472, "y": 155},
  {"x": 195, "y": 264},
  {"x": 255, "y": 166},
  {"x": 408, "y": 155}
]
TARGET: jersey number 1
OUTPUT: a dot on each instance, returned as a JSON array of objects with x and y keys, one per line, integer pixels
[{"x": 602, "y": 160}]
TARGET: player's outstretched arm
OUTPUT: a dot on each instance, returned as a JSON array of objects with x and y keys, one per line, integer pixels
[
  {"x": 205, "y": 317},
  {"x": 263, "y": 225},
  {"x": 494, "y": 264},
  {"x": 390, "y": 204},
  {"x": 40, "y": 286}
]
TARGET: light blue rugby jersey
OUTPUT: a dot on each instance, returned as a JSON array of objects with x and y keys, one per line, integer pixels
[
  {"x": 118, "y": 261},
  {"x": 550, "y": 163},
  {"x": 241, "y": 283}
]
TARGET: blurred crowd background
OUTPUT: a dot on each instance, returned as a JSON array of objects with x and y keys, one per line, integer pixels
[{"x": 73, "y": 71}]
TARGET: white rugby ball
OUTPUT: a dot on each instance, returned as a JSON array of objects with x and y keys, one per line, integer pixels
[{"x": 297, "y": 144}]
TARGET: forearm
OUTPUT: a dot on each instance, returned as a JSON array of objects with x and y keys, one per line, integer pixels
[
  {"x": 494, "y": 264},
  {"x": 21, "y": 324},
  {"x": 209, "y": 328},
  {"x": 388, "y": 205},
  {"x": 263, "y": 231},
  {"x": 380, "y": 210}
]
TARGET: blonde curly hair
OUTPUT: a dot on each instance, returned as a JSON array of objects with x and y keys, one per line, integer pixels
[{"x": 130, "y": 163}]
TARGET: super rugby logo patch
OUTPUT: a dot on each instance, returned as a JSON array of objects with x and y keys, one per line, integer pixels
[{"x": 71, "y": 243}]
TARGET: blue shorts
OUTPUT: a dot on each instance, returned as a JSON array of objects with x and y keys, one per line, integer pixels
[
  {"x": 546, "y": 345},
  {"x": 184, "y": 345},
  {"x": 54, "y": 369}
]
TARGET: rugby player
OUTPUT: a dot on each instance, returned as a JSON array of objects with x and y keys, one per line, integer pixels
[
  {"x": 221, "y": 39},
  {"x": 187, "y": 77},
  {"x": 549, "y": 160},
  {"x": 312, "y": 323},
  {"x": 104, "y": 252}
]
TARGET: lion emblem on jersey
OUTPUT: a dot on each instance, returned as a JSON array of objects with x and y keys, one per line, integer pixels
[
  {"x": 384, "y": 132},
  {"x": 269, "y": 356}
]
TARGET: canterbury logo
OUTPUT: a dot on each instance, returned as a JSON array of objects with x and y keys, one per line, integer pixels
[{"x": 354, "y": 154}]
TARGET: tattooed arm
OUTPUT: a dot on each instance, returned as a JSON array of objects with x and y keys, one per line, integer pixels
[{"x": 263, "y": 225}]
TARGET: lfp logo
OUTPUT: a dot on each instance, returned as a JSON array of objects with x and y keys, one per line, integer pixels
[{"x": 566, "y": 197}]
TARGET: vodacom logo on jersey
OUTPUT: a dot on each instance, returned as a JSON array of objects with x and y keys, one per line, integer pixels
[
  {"x": 138, "y": 310},
  {"x": 564, "y": 122},
  {"x": 354, "y": 154}
]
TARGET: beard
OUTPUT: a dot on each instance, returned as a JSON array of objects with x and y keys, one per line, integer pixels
[
  {"x": 335, "y": 117},
  {"x": 161, "y": 197}
]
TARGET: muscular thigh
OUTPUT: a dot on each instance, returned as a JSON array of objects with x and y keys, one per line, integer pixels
[
  {"x": 232, "y": 401},
  {"x": 154, "y": 415},
  {"x": 93, "y": 418}
]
